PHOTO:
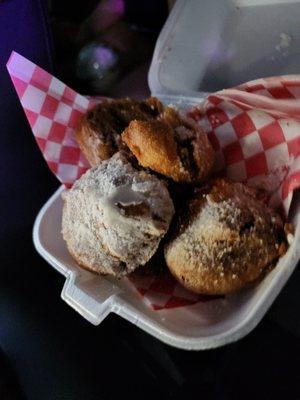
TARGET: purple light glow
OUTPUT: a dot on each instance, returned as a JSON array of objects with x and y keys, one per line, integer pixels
[
  {"x": 118, "y": 6},
  {"x": 104, "y": 57}
]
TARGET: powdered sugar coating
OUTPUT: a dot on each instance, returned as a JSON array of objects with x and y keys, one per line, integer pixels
[
  {"x": 225, "y": 240},
  {"x": 115, "y": 216}
]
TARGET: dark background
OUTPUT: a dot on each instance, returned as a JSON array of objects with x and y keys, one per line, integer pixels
[{"x": 47, "y": 350}]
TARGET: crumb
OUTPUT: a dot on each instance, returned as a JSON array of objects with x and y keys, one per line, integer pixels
[
  {"x": 284, "y": 43},
  {"x": 290, "y": 238}
]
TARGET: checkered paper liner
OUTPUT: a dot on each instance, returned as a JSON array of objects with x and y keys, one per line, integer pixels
[{"x": 254, "y": 130}]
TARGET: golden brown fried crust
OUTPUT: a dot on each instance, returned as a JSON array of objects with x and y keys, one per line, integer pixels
[
  {"x": 159, "y": 138},
  {"x": 153, "y": 144},
  {"x": 171, "y": 145},
  {"x": 90, "y": 141},
  {"x": 98, "y": 133},
  {"x": 225, "y": 240}
]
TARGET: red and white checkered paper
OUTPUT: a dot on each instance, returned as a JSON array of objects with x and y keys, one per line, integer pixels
[{"x": 254, "y": 130}]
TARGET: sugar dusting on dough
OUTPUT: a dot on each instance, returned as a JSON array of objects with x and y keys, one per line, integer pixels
[
  {"x": 95, "y": 225},
  {"x": 226, "y": 239}
]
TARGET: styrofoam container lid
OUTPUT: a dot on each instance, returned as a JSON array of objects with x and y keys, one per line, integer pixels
[{"x": 210, "y": 45}]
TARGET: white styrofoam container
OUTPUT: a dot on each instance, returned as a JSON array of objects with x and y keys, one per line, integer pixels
[
  {"x": 201, "y": 326},
  {"x": 181, "y": 66}
]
